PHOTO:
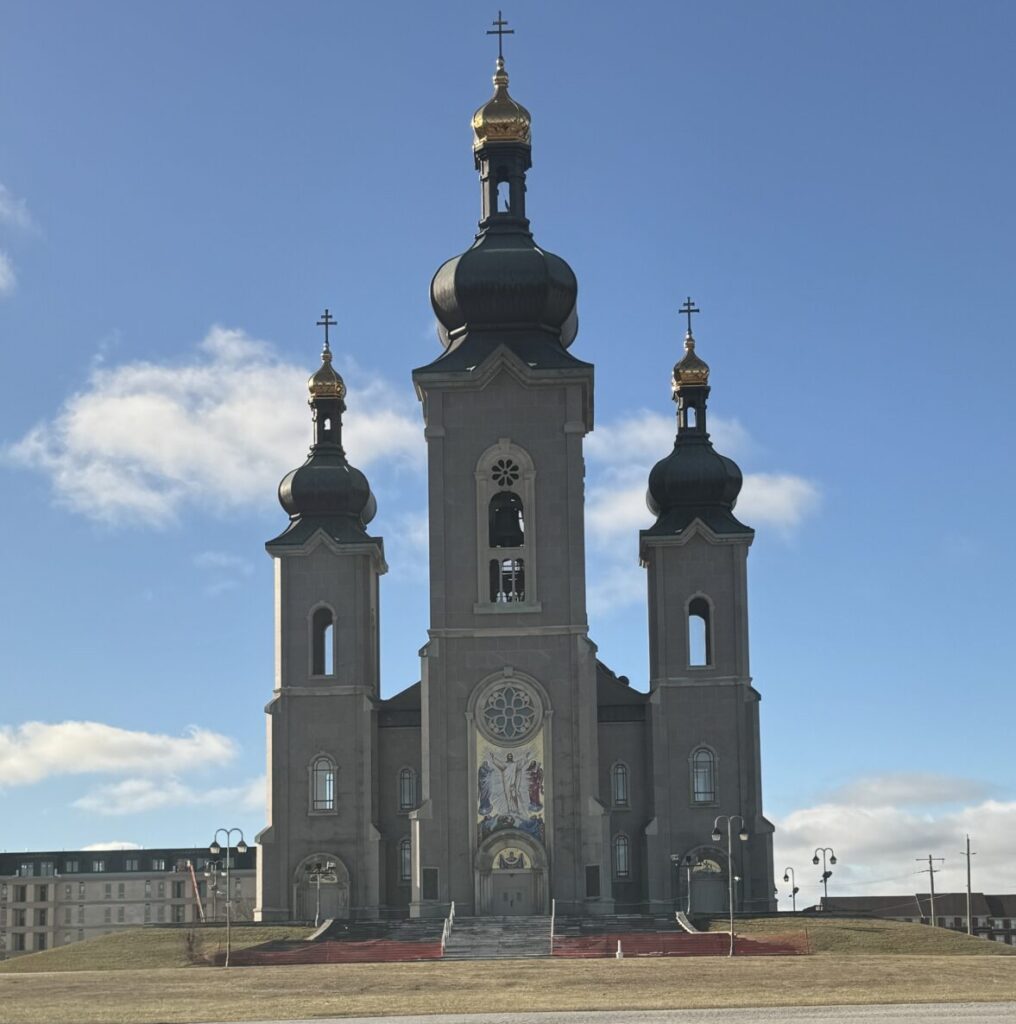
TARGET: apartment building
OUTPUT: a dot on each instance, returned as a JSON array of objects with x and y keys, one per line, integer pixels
[{"x": 56, "y": 897}]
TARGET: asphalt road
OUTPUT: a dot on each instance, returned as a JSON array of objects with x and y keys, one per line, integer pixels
[{"x": 909, "y": 1013}]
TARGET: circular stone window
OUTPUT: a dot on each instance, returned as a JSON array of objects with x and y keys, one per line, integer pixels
[
  {"x": 505, "y": 473},
  {"x": 509, "y": 713}
]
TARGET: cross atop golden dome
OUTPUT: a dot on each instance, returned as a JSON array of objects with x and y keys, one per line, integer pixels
[{"x": 326, "y": 382}]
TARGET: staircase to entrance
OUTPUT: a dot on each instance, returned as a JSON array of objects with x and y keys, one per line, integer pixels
[{"x": 498, "y": 938}]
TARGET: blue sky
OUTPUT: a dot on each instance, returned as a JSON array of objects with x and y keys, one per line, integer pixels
[{"x": 183, "y": 189}]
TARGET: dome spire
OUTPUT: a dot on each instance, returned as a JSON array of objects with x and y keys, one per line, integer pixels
[{"x": 694, "y": 481}]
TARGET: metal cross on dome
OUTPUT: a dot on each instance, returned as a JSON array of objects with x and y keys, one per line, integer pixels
[
  {"x": 500, "y": 31},
  {"x": 688, "y": 308},
  {"x": 326, "y": 321}
]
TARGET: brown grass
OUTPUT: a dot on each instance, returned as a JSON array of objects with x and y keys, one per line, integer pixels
[{"x": 213, "y": 994}]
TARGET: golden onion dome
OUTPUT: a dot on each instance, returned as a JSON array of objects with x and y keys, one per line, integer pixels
[
  {"x": 326, "y": 383},
  {"x": 501, "y": 119},
  {"x": 691, "y": 369}
]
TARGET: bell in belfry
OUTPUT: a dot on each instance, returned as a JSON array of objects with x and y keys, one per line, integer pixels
[{"x": 506, "y": 524}]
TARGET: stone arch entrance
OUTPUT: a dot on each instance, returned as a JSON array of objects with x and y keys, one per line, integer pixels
[
  {"x": 511, "y": 876},
  {"x": 321, "y": 888}
]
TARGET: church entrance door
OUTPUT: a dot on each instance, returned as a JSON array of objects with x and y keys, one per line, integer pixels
[
  {"x": 708, "y": 887},
  {"x": 513, "y": 894}
]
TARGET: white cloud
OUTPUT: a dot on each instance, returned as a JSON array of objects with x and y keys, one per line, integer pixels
[
  {"x": 8, "y": 279},
  {"x": 113, "y": 844},
  {"x": 646, "y": 437},
  {"x": 39, "y": 750},
  {"x": 882, "y": 831},
  {"x": 223, "y": 560},
  {"x": 135, "y": 796},
  {"x": 144, "y": 440},
  {"x": 14, "y": 211}
]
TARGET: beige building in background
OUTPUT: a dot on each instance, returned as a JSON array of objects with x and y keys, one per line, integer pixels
[{"x": 55, "y": 898}]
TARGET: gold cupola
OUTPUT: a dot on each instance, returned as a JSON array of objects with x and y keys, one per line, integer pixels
[
  {"x": 501, "y": 119},
  {"x": 690, "y": 369},
  {"x": 326, "y": 382}
]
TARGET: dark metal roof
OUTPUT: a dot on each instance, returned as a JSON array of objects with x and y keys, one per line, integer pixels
[
  {"x": 114, "y": 860},
  {"x": 400, "y": 711}
]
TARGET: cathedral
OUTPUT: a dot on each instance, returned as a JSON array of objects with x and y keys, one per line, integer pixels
[{"x": 520, "y": 772}]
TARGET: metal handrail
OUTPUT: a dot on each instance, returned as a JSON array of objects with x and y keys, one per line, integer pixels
[
  {"x": 553, "y": 913},
  {"x": 446, "y": 928}
]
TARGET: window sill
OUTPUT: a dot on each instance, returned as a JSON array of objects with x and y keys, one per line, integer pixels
[
  {"x": 322, "y": 814},
  {"x": 507, "y": 608}
]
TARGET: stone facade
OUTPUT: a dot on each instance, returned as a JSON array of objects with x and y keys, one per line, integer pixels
[{"x": 519, "y": 770}]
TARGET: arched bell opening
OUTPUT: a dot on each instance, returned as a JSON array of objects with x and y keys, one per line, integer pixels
[{"x": 511, "y": 876}]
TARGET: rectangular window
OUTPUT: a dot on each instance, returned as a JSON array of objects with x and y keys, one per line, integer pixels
[
  {"x": 430, "y": 883},
  {"x": 178, "y": 915},
  {"x": 46, "y": 867},
  {"x": 20, "y": 918},
  {"x": 67, "y": 915},
  {"x": 121, "y": 890},
  {"x": 40, "y": 942},
  {"x": 21, "y": 894},
  {"x": 27, "y": 869},
  {"x": 148, "y": 887},
  {"x": 81, "y": 890},
  {"x": 405, "y": 861},
  {"x": 178, "y": 893},
  {"x": 162, "y": 890},
  {"x": 41, "y": 918},
  {"x": 81, "y": 914},
  {"x": 132, "y": 864},
  {"x": 148, "y": 913},
  {"x": 158, "y": 864},
  {"x": 202, "y": 889},
  {"x": 3, "y": 892},
  {"x": 107, "y": 890},
  {"x": 98, "y": 865},
  {"x": 71, "y": 867},
  {"x": 160, "y": 912},
  {"x": 120, "y": 913},
  {"x": 507, "y": 580},
  {"x": 107, "y": 915},
  {"x": 68, "y": 889},
  {"x": 42, "y": 894},
  {"x": 81, "y": 934},
  {"x": 18, "y": 940},
  {"x": 407, "y": 789}
]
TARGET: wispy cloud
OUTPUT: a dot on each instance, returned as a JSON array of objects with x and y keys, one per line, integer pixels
[
  {"x": 136, "y": 796},
  {"x": 35, "y": 751},
  {"x": 144, "y": 440},
  {"x": 8, "y": 279},
  {"x": 881, "y": 826},
  {"x": 14, "y": 211}
]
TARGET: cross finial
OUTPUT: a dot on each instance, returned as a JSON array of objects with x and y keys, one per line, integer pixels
[
  {"x": 500, "y": 31},
  {"x": 688, "y": 308},
  {"x": 326, "y": 321}
]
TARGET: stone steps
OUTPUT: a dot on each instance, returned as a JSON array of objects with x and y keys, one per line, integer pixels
[{"x": 499, "y": 938}]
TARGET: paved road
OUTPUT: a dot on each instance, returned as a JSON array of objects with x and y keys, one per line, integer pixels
[{"x": 909, "y": 1013}]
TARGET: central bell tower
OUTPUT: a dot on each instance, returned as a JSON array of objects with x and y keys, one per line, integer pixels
[{"x": 509, "y": 815}]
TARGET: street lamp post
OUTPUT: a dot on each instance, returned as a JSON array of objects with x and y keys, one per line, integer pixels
[
  {"x": 717, "y": 836},
  {"x": 789, "y": 876},
  {"x": 826, "y": 873},
  {"x": 215, "y": 849}
]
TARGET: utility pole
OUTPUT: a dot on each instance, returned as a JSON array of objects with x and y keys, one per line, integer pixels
[
  {"x": 970, "y": 920},
  {"x": 931, "y": 876}
]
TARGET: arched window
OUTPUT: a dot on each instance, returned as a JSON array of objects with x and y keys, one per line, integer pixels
[
  {"x": 405, "y": 860},
  {"x": 619, "y": 785},
  {"x": 322, "y": 643},
  {"x": 506, "y": 541},
  {"x": 700, "y": 639},
  {"x": 503, "y": 200},
  {"x": 622, "y": 856},
  {"x": 407, "y": 789},
  {"x": 322, "y": 785},
  {"x": 703, "y": 776}
]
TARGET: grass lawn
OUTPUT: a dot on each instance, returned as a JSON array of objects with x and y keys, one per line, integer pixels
[{"x": 214, "y": 994}]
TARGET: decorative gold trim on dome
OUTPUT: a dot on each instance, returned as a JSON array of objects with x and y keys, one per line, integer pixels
[
  {"x": 501, "y": 119},
  {"x": 326, "y": 382},
  {"x": 690, "y": 369}
]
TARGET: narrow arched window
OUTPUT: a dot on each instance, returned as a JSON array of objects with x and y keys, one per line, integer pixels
[
  {"x": 405, "y": 861},
  {"x": 700, "y": 639},
  {"x": 622, "y": 856},
  {"x": 407, "y": 789},
  {"x": 503, "y": 197},
  {"x": 506, "y": 521},
  {"x": 323, "y": 643},
  {"x": 619, "y": 785},
  {"x": 322, "y": 784},
  {"x": 703, "y": 776}
]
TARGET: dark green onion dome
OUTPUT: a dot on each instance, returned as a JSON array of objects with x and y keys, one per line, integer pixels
[
  {"x": 694, "y": 481},
  {"x": 504, "y": 283},
  {"x": 326, "y": 492}
]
